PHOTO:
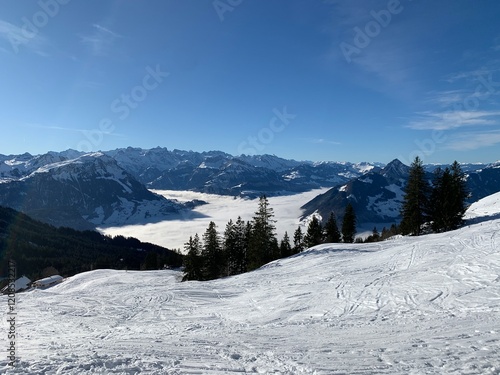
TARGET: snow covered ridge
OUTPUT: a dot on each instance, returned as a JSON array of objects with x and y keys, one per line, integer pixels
[
  {"x": 412, "y": 305},
  {"x": 210, "y": 172},
  {"x": 89, "y": 190}
]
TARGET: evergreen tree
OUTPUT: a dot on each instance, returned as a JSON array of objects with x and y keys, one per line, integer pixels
[
  {"x": 332, "y": 234},
  {"x": 448, "y": 198},
  {"x": 314, "y": 234},
  {"x": 298, "y": 241},
  {"x": 440, "y": 201},
  {"x": 285, "y": 247},
  {"x": 349, "y": 224},
  {"x": 212, "y": 254},
  {"x": 263, "y": 245},
  {"x": 193, "y": 260},
  {"x": 241, "y": 246},
  {"x": 415, "y": 210},
  {"x": 235, "y": 247},
  {"x": 374, "y": 237},
  {"x": 151, "y": 262},
  {"x": 229, "y": 243},
  {"x": 460, "y": 194}
]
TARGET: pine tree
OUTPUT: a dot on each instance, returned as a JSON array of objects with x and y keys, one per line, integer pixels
[
  {"x": 235, "y": 247},
  {"x": 285, "y": 247},
  {"x": 314, "y": 234},
  {"x": 263, "y": 245},
  {"x": 241, "y": 246},
  {"x": 332, "y": 234},
  {"x": 192, "y": 259},
  {"x": 448, "y": 198},
  {"x": 415, "y": 210},
  {"x": 150, "y": 262},
  {"x": 349, "y": 224},
  {"x": 229, "y": 244},
  {"x": 460, "y": 194},
  {"x": 212, "y": 254},
  {"x": 440, "y": 200},
  {"x": 298, "y": 241}
]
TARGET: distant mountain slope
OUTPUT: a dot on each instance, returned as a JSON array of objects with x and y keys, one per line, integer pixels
[
  {"x": 378, "y": 195},
  {"x": 375, "y": 196},
  {"x": 111, "y": 188},
  {"x": 220, "y": 173},
  {"x": 35, "y": 245},
  {"x": 211, "y": 172},
  {"x": 484, "y": 182},
  {"x": 83, "y": 192}
]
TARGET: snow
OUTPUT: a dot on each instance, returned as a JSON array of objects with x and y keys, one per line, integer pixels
[
  {"x": 128, "y": 212},
  {"x": 174, "y": 231},
  {"x": 48, "y": 281},
  {"x": 387, "y": 208},
  {"x": 19, "y": 284},
  {"x": 366, "y": 180},
  {"x": 412, "y": 305},
  {"x": 486, "y": 207}
]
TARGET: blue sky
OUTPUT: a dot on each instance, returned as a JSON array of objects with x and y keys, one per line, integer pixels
[{"x": 309, "y": 80}]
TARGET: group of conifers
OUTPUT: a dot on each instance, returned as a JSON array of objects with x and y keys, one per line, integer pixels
[{"x": 244, "y": 246}]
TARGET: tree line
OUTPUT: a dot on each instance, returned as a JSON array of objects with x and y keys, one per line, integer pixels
[
  {"x": 245, "y": 246},
  {"x": 39, "y": 248},
  {"x": 437, "y": 206}
]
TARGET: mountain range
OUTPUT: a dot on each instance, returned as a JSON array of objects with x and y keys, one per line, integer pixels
[
  {"x": 377, "y": 195},
  {"x": 116, "y": 187}
]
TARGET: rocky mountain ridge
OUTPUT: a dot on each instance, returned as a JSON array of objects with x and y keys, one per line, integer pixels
[{"x": 81, "y": 190}]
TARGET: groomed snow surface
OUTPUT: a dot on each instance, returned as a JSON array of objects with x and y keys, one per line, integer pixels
[{"x": 427, "y": 305}]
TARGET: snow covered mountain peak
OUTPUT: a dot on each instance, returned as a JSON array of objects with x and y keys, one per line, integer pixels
[
  {"x": 89, "y": 165},
  {"x": 395, "y": 170}
]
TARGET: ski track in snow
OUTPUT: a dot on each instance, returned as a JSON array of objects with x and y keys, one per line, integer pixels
[{"x": 426, "y": 305}]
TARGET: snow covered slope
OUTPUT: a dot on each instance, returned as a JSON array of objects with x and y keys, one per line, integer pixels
[
  {"x": 427, "y": 305},
  {"x": 486, "y": 208},
  {"x": 89, "y": 190}
]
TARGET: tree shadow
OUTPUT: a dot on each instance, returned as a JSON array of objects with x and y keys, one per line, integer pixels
[{"x": 482, "y": 219}]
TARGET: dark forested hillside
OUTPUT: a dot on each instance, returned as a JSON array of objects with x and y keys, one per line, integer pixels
[{"x": 36, "y": 247}]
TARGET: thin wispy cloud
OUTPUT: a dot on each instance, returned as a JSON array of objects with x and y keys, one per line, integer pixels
[
  {"x": 470, "y": 75},
  {"x": 54, "y": 127},
  {"x": 446, "y": 98},
  {"x": 68, "y": 129},
  {"x": 454, "y": 119},
  {"x": 322, "y": 141},
  {"x": 461, "y": 98},
  {"x": 100, "y": 40},
  {"x": 14, "y": 39},
  {"x": 473, "y": 141}
]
